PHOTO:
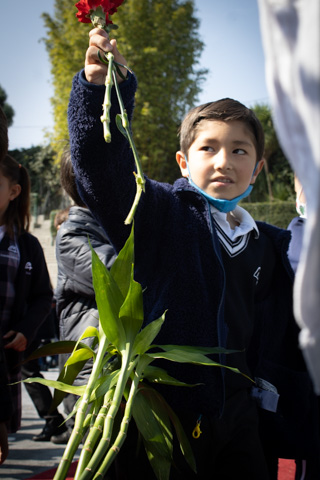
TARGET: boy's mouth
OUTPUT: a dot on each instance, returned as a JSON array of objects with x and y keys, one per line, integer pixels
[{"x": 222, "y": 180}]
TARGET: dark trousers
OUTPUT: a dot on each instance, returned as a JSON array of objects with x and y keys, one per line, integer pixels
[
  {"x": 39, "y": 394},
  {"x": 228, "y": 448}
]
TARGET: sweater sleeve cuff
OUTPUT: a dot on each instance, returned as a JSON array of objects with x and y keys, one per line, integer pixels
[{"x": 128, "y": 85}]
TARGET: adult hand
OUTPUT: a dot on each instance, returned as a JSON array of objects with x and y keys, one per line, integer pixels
[
  {"x": 95, "y": 70},
  {"x": 18, "y": 342}
]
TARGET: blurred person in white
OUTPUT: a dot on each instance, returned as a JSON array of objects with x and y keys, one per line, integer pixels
[
  {"x": 291, "y": 38},
  {"x": 309, "y": 468}
]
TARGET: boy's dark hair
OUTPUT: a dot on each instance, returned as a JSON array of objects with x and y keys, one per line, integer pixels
[
  {"x": 226, "y": 110},
  {"x": 3, "y": 135},
  {"x": 67, "y": 178},
  {"x": 17, "y": 216}
]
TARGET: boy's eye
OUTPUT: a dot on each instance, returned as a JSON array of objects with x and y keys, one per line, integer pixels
[
  {"x": 207, "y": 149},
  {"x": 239, "y": 151}
]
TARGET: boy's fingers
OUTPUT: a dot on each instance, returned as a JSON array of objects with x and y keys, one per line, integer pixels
[
  {"x": 98, "y": 31},
  {"x": 100, "y": 39},
  {"x": 95, "y": 68},
  {"x": 92, "y": 56}
]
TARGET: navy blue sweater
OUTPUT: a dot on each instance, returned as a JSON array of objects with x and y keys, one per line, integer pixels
[{"x": 177, "y": 255}]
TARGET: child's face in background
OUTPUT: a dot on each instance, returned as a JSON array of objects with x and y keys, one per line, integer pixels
[{"x": 221, "y": 159}]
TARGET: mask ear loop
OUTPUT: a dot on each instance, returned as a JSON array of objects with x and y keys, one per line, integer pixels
[
  {"x": 254, "y": 170},
  {"x": 185, "y": 157}
]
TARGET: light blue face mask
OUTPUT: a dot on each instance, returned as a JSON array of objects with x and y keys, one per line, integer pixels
[{"x": 221, "y": 204}]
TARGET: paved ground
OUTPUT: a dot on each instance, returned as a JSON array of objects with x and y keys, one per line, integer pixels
[
  {"x": 26, "y": 457},
  {"x": 42, "y": 232}
]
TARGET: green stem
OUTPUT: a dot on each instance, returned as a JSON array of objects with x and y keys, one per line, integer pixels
[
  {"x": 76, "y": 434},
  {"x": 139, "y": 176},
  {"x": 125, "y": 371},
  {"x": 94, "y": 434},
  {"x": 114, "y": 450},
  {"x": 105, "y": 117}
]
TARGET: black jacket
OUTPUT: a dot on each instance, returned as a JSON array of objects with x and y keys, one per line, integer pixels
[{"x": 33, "y": 297}]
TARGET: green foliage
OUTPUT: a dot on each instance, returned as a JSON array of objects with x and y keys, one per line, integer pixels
[
  {"x": 66, "y": 43},
  {"x": 160, "y": 41},
  {"x": 276, "y": 179},
  {"x": 121, "y": 362},
  {"x": 276, "y": 213},
  {"x": 8, "y": 110}
]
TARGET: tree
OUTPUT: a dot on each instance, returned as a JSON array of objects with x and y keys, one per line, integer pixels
[
  {"x": 66, "y": 43},
  {"x": 277, "y": 181},
  {"x": 8, "y": 110},
  {"x": 160, "y": 41}
]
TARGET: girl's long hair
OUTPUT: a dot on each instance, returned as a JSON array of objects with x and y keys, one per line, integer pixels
[{"x": 17, "y": 215}]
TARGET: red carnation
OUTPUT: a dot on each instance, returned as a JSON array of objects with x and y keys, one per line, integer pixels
[{"x": 87, "y": 9}]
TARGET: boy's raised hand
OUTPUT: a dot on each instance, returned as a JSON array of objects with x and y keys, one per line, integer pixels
[{"x": 95, "y": 70}]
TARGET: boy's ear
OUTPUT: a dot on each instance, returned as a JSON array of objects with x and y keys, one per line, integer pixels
[
  {"x": 15, "y": 191},
  {"x": 181, "y": 161},
  {"x": 258, "y": 169}
]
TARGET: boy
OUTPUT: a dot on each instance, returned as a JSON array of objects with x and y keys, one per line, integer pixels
[{"x": 198, "y": 256}]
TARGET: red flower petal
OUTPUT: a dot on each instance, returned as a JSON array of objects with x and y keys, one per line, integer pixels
[
  {"x": 86, "y": 7},
  {"x": 93, "y": 4}
]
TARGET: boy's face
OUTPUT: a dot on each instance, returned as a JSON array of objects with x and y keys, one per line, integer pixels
[{"x": 221, "y": 159}]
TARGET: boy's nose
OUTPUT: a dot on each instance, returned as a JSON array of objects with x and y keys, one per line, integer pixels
[{"x": 222, "y": 160}]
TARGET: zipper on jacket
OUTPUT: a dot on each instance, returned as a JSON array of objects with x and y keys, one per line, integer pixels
[{"x": 220, "y": 326}]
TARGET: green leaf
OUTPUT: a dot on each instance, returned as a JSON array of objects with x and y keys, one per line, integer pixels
[
  {"x": 145, "y": 338},
  {"x": 120, "y": 126},
  {"x": 156, "y": 433},
  {"x": 180, "y": 355},
  {"x": 68, "y": 375},
  {"x": 131, "y": 312},
  {"x": 80, "y": 355},
  {"x": 109, "y": 300},
  {"x": 158, "y": 401},
  {"x": 104, "y": 384},
  {"x": 90, "y": 332},
  {"x": 54, "y": 348},
  {"x": 197, "y": 349},
  {"x": 133, "y": 304},
  {"x": 76, "y": 390},
  {"x": 160, "y": 376},
  {"x": 122, "y": 266}
]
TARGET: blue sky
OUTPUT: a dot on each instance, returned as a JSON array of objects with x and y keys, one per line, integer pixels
[{"x": 233, "y": 54}]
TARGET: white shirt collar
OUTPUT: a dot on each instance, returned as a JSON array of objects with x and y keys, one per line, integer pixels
[{"x": 246, "y": 222}]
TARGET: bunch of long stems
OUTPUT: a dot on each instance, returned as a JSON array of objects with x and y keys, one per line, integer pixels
[
  {"x": 116, "y": 388},
  {"x": 123, "y": 125}
]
